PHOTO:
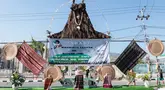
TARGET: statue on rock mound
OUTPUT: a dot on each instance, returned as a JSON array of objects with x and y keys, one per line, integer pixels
[{"x": 79, "y": 25}]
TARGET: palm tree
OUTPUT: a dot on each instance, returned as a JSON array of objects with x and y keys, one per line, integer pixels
[{"x": 38, "y": 46}]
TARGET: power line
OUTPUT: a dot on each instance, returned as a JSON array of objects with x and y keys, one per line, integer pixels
[
  {"x": 112, "y": 40},
  {"x": 158, "y": 9},
  {"x": 159, "y": 12},
  {"x": 108, "y": 10},
  {"x": 27, "y": 19},
  {"x": 156, "y": 6},
  {"x": 160, "y": 35},
  {"x": 121, "y": 8},
  {"x": 138, "y": 34},
  {"x": 158, "y": 27},
  {"x": 111, "y": 9},
  {"x": 32, "y": 19},
  {"x": 114, "y": 10},
  {"x": 152, "y": 6},
  {"x": 50, "y": 14},
  {"x": 126, "y": 37},
  {"x": 124, "y": 29},
  {"x": 147, "y": 3},
  {"x": 139, "y": 5}
]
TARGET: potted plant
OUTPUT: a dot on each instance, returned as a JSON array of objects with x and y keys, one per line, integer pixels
[
  {"x": 17, "y": 80},
  {"x": 146, "y": 79}
]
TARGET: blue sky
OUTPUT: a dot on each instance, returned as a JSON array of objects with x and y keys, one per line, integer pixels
[{"x": 21, "y": 19}]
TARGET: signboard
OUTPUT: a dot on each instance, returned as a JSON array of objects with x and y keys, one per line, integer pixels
[{"x": 79, "y": 51}]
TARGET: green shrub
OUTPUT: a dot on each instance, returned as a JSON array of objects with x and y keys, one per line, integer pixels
[
  {"x": 145, "y": 77},
  {"x": 17, "y": 79}
]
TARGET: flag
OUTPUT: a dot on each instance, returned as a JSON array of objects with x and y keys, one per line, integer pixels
[{"x": 30, "y": 58}]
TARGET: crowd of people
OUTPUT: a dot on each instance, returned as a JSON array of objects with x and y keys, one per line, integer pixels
[
  {"x": 79, "y": 80},
  {"x": 107, "y": 79},
  {"x": 132, "y": 75}
]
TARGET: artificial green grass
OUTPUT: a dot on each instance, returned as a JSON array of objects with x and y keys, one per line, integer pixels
[{"x": 116, "y": 88}]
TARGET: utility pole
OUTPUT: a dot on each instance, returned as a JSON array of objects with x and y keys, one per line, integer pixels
[
  {"x": 108, "y": 33},
  {"x": 143, "y": 17}
]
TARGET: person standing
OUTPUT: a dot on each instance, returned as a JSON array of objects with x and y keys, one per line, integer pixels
[
  {"x": 91, "y": 82},
  {"x": 87, "y": 73},
  {"x": 131, "y": 75},
  {"x": 160, "y": 76},
  {"x": 107, "y": 81},
  {"x": 79, "y": 80},
  {"x": 48, "y": 82}
]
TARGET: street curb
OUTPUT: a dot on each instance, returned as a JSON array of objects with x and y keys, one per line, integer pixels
[
  {"x": 25, "y": 81},
  {"x": 39, "y": 80}
]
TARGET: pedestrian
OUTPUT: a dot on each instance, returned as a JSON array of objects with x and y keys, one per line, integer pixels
[
  {"x": 107, "y": 81},
  {"x": 87, "y": 73},
  {"x": 91, "y": 82},
  {"x": 131, "y": 76},
  {"x": 79, "y": 80},
  {"x": 160, "y": 76},
  {"x": 48, "y": 82}
]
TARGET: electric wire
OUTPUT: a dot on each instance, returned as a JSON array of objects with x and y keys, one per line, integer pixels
[
  {"x": 139, "y": 6},
  {"x": 34, "y": 19},
  {"x": 138, "y": 34},
  {"x": 50, "y": 14},
  {"x": 157, "y": 27},
  {"x": 147, "y": 3},
  {"x": 159, "y": 35},
  {"x": 116, "y": 30},
  {"x": 124, "y": 37},
  {"x": 107, "y": 9},
  {"x": 152, "y": 7}
]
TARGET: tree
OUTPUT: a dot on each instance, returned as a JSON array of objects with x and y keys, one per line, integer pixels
[
  {"x": 38, "y": 46},
  {"x": 140, "y": 61}
]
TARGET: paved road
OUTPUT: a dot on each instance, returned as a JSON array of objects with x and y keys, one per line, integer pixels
[{"x": 40, "y": 84}]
